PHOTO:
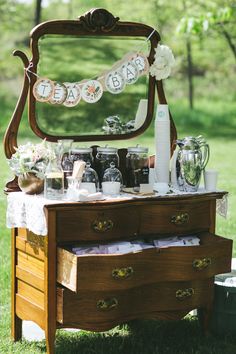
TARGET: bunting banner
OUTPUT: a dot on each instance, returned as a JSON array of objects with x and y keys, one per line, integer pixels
[{"x": 123, "y": 72}]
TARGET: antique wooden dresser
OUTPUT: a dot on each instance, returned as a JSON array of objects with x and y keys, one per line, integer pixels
[{"x": 57, "y": 289}]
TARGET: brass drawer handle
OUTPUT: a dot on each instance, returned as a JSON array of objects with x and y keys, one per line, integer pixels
[
  {"x": 180, "y": 219},
  {"x": 102, "y": 225},
  {"x": 107, "y": 304},
  {"x": 122, "y": 273},
  {"x": 200, "y": 264},
  {"x": 183, "y": 294}
]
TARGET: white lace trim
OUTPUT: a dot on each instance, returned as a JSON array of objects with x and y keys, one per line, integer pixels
[{"x": 222, "y": 206}]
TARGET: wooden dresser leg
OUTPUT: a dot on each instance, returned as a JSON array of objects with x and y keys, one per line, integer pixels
[
  {"x": 16, "y": 327},
  {"x": 50, "y": 334},
  {"x": 50, "y": 302},
  {"x": 204, "y": 316},
  {"x": 16, "y": 322}
]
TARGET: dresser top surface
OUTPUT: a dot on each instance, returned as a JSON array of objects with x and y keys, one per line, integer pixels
[{"x": 139, "y": 200}]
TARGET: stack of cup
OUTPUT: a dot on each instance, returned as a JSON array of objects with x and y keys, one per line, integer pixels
[{"x": 162, "y": 145}]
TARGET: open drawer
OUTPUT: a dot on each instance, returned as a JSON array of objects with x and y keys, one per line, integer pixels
[
  {"x": 116, "y": 272},
  {"x": 102, "y": 310}
]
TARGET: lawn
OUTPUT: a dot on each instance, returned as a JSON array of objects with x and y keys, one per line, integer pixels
[{"x": 147, "y": 337}]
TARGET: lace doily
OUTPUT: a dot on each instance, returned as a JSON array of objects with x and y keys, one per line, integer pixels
[
  {"x": 222, "y": 206},
  {"x": 26, "y": 211}
]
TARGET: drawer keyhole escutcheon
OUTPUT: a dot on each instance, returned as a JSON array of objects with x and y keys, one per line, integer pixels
[
  {"x": 122, "y": 273},
  {"x": 180, "y": 219},
  {"x": 183, "y": 294},
  {"x": 107, "y": 304},
  {"x": 102, "y": 225},
  {"x": 202, "y": 263}
]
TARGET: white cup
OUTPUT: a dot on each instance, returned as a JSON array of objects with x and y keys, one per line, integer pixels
[
  {"x": 91, "y": 187},
  {"x": 111, "y": 188},
  {"x": 210, "y": 180}
]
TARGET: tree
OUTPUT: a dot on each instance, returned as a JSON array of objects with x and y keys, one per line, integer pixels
[
  {"x": 221, "y": 20},
  {"x": 38, "y": 10}
]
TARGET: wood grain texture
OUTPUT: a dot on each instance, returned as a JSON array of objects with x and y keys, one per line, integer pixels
[
  {"x": 28, "y": 311},
  {"x": 50, "y": 281},
  {"x": 30, "y": 278},
  {"x": 78, "y": 224},
  {"x": 27, "y": 262},
  {"x": 30, "y": 293},
  {"x": 158, "y": 218},
  {"x": 16, "y": 321},
  {"x": 30, "y": 248},
  {"x": 149, "y": 266},
  {"x": 142, "y": 302}
]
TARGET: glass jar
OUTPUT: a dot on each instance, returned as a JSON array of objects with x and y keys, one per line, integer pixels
[
  {"x": 137, "y": 166},
  {"x": 82, "y": 153},
  {"x": 89, "y": 179},
  {"x": 112, "y": 180},
  {"x": 105, "y": 155},
  {"x": 54, "y": 180}
]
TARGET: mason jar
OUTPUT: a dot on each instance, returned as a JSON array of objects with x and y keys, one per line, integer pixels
[
  {"x": 137, "y": 166},
  {"x": 104, "y": 157},
  {"x": 82, "y": 153}
]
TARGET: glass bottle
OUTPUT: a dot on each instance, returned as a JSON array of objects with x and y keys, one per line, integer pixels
[
  {"x": 64, "y": 149},
  {"x": 89, "y": 179},
  {"x": 112, "y": 180},
  {"x": 137, "y": 166},
  {"x": 54, "y": 180}
]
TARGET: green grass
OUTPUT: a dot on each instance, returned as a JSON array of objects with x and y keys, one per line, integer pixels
[
  {"x": 218, "y": 126},
  {"x": 145, "y": 337}
]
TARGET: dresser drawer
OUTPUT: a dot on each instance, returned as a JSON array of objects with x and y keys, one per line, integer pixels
[
  {"x": 117, "y": 272},
  {"x": 103, "y": 310},
  {"x": 177, "y": 218},
  {"x": 93, "y": 223}
]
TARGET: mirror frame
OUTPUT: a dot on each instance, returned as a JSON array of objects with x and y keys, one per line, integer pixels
[{"x": 97, "y": 22}]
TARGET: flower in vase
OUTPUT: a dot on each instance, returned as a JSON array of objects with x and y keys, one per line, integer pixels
[
  {"x": 164, "y": 61},
  {"x": 31, "y": 158}
]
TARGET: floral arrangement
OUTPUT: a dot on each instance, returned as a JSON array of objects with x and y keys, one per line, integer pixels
[
  {"x": 164, "y": 61},
  {"x": 31, "y": 158}
]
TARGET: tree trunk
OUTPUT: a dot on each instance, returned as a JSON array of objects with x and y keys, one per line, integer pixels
[
  {"x": 229, "y": 40},
  {"x": 38, "y": 10},
  {"x": 190, "y": 72}
]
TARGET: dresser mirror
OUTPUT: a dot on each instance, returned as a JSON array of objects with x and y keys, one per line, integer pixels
[
  {"x": 90, "y": 48},
  {"x": 77, "y": 59},
  {"x": 78, "y": 52}
]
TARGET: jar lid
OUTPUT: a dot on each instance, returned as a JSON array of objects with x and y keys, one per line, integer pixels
[
  {"x": 226, "y": 279},
  {"x": 81, "y": 150},
  {"x": 107, "y": 149},
  {"x": 138, "y": 149}
]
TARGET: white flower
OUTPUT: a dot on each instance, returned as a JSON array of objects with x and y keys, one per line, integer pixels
[
  {"x": 164, "y": 61},
  {"x": 31, "y": 158}
]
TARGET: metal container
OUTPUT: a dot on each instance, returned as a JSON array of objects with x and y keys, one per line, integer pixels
[
  {"x": 192, "y": 158},
  {"x": 223, "y": 320}
]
